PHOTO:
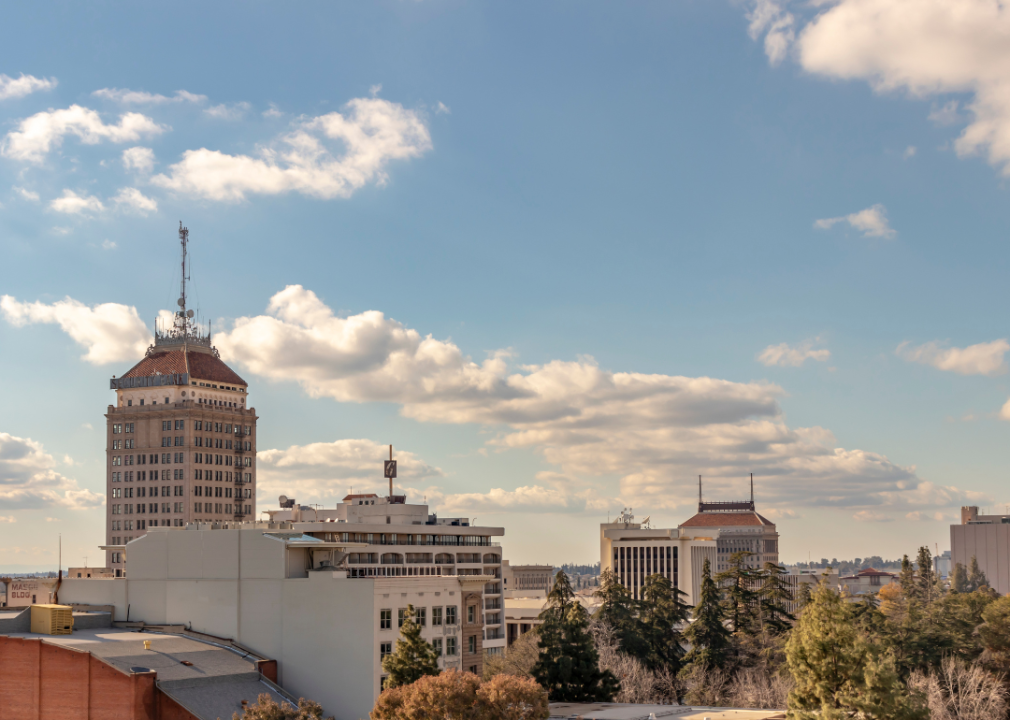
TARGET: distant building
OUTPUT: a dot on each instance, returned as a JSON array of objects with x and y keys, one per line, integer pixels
[
  {"x": 526, "y": 580},
  {"x": 89, "y": 572},
  {"x": 942, "y": 564},
  {"x": 522, "y": 614},
  {"x": 867, "y": 581},
  {"x": 796, "y": 579},
  {"x": 987, "y": 539}
]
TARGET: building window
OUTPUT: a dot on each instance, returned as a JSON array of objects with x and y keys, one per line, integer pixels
[
  {"x": 437, "y": 644},
  {"x": 198, "y": 425},
  {"x": 385, "y": 649},
  {"x": 471, "y": 612},
  {"x": 178, "y": 507},
  {"x": 385, "y": 619},
  {"x": 450, "y": 646},
  {"x": 166, "y": 424},
  {"x": 450, "y": 617},
  {"x": 421, "y": 616},
  {"x": 180, "y": 424},
  {"x": 436, "y": 616},
  {"x": 401, "y": 615},
  {"x": 198, "y": 507},
  {"x": 471, "y": 643}
]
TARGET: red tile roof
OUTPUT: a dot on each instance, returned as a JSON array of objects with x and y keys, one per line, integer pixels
[
  {"x": 726, "y": 519},
  {"x": 202, "y": 366}
]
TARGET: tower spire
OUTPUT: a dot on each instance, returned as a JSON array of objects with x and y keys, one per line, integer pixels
[{"x": 699, "y": 493}]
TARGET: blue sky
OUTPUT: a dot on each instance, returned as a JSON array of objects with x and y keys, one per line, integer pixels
[{"x": 647, "y": 242}]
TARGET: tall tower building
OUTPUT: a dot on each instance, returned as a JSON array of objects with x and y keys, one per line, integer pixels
[{"x": 181, "y": 439}]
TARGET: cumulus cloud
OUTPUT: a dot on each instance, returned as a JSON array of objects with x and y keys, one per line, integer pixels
[
  {"x": 981, "y": 359},
  {"x": 919, "y": 47},
  {"x": 7, "y": 519},
  {"x": 70, "y": 203},
  {"x": 26, "y": 194},
  {"x": 870, "y": 516},
  {"x": 110, "y": 332},
  {"x": 139, "y": 97},
  {"x": 651, "y": 432},
  {"x": 23, "y": 85},
  {"x": 872, "y": 222},
  {"x": 326, "y": 157},
  {"x": 919, "y": 515},
  {"x": 326, "y": 471},
  {"x": 28, "y": 479},
  {"x": 139, "y": 158},
  {"x": 786, "y": 355},
  {"x": 133, "y": 199},
  {"x": 228, "y": 112},
  {"x": 37, "y": 135}
]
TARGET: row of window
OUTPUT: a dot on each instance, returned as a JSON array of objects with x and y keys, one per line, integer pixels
[
  {"x": 209, "y": 426},
  {"x": 167, "y": 509},
  {"x": 223, "y": 387},
  {"x": 179, "y": 474},
  {"x": 420, "y": 616},
  {"x": 411, "y": 539},
  {"x": 118, "y": 428},
  {"x": 632, "y": 565},
  {"x": 129, "y": 403},
  {"x": 386, "y": 648},
  {"x": 166, "y": 491},
  {"x": 142, "y": 508},
  {"x": 180, "y": 457},
  {"x": 123, "y": 444},
  {"x": 221, "y": 444},
  {"x": 205, "y": 507},
  {"x": 212, "y": 491}
]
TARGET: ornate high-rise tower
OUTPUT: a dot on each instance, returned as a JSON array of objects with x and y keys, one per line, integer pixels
[{"x": 181, "y": 439}]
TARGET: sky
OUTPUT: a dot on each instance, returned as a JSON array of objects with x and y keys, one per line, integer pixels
[{"x": 564, "y": 257}]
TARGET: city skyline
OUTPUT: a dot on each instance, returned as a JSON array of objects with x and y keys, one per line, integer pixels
[{"x": 564, "y": 266}]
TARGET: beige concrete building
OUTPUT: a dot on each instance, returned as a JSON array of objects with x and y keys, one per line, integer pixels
[
  {"x": 398, "y": 539},
  {"x": 865, "y": 582},
  {"x": 287, "y": 595},
  {"x": 526, "y": 580},
  {"x": 634, "y": 551},
  {"x": 180, "y": 440},
  {"x": 987, "y": 539}
]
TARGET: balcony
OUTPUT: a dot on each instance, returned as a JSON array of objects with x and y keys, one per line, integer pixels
[{"x": 490, "y": 604}]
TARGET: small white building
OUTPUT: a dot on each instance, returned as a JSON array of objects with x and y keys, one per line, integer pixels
[
  {"x": 867, "y": 581},
  {"x": 284, "y": 595}
]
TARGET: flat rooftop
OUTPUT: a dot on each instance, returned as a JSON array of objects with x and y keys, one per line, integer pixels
[{"x": 209, "y": 680}]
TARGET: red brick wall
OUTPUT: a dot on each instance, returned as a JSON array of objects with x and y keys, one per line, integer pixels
[{"x": 40, "y": 681}]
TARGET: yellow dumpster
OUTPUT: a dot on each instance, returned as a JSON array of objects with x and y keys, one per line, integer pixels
[{"x": 52, "y": 619}]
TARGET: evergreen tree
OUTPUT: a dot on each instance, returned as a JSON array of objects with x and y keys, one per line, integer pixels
[
  {"x": 773, "y": 597},
  {"x": 621, "y": 612},
  {"x": 663, "y": 611},
  {"x": 740, "y": 599},
  {"x": 926, "y": 581},
  {"x": 709, "y": 638},
  {"x": 803, "y": 595},
  {"x": 909, "y": 586},
  {"x": 837, "y": 672},
  {"x": 568, "y": 667},
  {"x": 959, "y": 579},
  {"x": 976, "y": 578},
  {"x": 413, "y": 658}
]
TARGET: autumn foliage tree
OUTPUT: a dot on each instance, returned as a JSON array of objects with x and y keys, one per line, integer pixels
[
  {"x": 266, "y": 708},
  {"x": 462, "y": 696}
]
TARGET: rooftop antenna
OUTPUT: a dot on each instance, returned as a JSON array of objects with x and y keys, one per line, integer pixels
[
  {"x": 752, "y": 488},
  {"x": 699, "y": 493}
]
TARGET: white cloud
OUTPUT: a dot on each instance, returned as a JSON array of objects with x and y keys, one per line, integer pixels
[
  {"x": 981, "y": 359},
  {"x": 70, "y": 203},
  {"x": 786, "y": 355},
  {"x": 442, "y": 109},
  {"x": 920, "y": 47},
  {"x": 326, "y": 472},
  {"x": 651, "y": 432},
  {"x": 108, "y": 244},
  {"x": 371, "y": 133},
  {"x": 869, "y": 516},
  {"x": 28, "y": 480},
  {"x": 872, "y": 222},
  {"x": 23, "y": 85},
  {"x": 52, "y": 519},
  {"x": 26, "y": 194},
  {"x": 133, "y": 199},
  {"x": 37, "y": 135},
  {"x": 228, "y": 112},
  {"x": 910, "y": 152},
  {"x": 1004, "y": 413},
  {"x": 769, "y": 18},
  {"x": 7, "y": 519},
  {"x": 110, "y": 332},
  {"x": 139, "y": 97},
  {"x": 273, "y": 112},
  {"x": 946, "y": 114},
  {"x": 139, "y": 158},
  {"x": 919, "y": 515},
  {"x": 780, "y": 514}
]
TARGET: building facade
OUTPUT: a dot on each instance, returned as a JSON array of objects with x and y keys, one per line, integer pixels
[
  {"x": 180, "y": 439},
  {"x": 987, "y": 539},
  {"x": 526, "y": 580},
  {"x": 399, "y": 539}
]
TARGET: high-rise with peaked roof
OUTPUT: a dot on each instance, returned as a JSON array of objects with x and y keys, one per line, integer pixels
[{"x": 181, "y": 438}]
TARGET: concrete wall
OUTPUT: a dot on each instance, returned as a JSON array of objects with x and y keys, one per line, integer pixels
[
  {"x": 990, "y": 545},
  {"x": 40, "y": 681}
]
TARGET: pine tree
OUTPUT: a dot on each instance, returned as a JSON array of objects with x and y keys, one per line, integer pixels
[
  {"x": 663, "y": 611},
  {"x": 413, "y": 658},
  {"x": 569, "y": 667},
  {"x": 976, "y": 578},
  {"x": 709, "y": 637},
  {"x": 926, "y": 581},
  {"x": 621, "y": 612},
  {"x": 773, "y": 597},
  {"x": 838, "y": 673},
  {"x": 959, "y": 579},
  {"x": 907, "y": 579},
  {"x": 803, "y": 595},
  {"x": 740, "y": 599}
]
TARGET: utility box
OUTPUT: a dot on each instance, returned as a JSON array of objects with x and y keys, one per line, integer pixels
[{"x": 52, "y": 619}]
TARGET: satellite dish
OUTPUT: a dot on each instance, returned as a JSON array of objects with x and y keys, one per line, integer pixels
[
  {"x": 182, "y": 302},
  {"x": 189, "y": 313},
  {"x": 282, "y": 499}
]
